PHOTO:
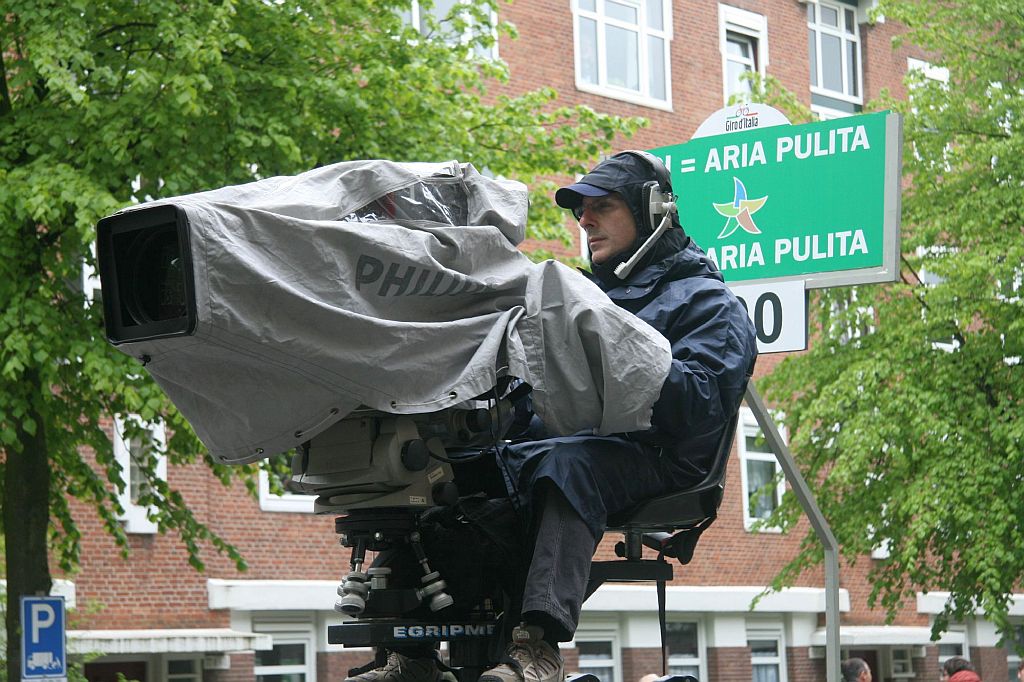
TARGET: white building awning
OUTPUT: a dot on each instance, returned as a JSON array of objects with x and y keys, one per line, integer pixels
[
  {"x": 885, "y": 635},
  {"x": 199, "y": 640},
  {"x": 711, "y": 599},
  {"x": 933, "y": 603}
]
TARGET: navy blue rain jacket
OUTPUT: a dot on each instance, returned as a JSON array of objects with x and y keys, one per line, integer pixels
[{"x": 684, "y": 297}]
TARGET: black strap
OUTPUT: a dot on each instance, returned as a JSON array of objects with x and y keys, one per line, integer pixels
[{"x": 664, "y": 627}]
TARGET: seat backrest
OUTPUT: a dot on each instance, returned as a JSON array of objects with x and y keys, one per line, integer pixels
[{"x": 685, "y": 508}]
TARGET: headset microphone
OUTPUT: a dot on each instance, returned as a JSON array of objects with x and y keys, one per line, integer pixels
[
  {"x": 660, "y": 204},
  {"x": 663, "y": 204}
]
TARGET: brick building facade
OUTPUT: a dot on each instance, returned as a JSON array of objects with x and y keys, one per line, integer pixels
[{"x": 673, "y": 62}]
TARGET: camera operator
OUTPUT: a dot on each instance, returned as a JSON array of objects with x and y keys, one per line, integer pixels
[{"x": 568, "y": 486}]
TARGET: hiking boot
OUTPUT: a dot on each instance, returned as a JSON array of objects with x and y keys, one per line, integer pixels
[
  {"x": 401, "y": 668},
  {"x": 528, "y": 659}
]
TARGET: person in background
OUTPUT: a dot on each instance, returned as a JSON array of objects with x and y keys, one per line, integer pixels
[
  {"x": 958, "y": 669},
  {"x": 856, "y": 670}
]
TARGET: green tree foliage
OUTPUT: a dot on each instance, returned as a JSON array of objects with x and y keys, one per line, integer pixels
[
  {"x": 908, "y": 410},
  {"x": 104, "y": 103}
]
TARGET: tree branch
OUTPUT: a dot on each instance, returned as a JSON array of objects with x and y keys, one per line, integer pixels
[
  {"x": 121, "y": 27},
  {"x": 5, "y": 95}
]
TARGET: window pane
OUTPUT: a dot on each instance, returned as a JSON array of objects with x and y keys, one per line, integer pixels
[
  {"x": 760, "y": 648},
  {"x": 596, "y": 659},
  {"x": 439, "y": 10},
  {"x": 684, "y": 670},
  {"x": 737, "y": 46},
  {"x": 851, "y": 21},
  {"x": 181, "y": 667},
  {"x": 682, "y": 639},
  {"x": 602, "y": 674},
  {"x": 656, "y": 64},
  {"x": 1018, "y": 636},
  {"x": 831, "y": 63},
  {"x": 760, "y": 502},
  {"x": 282, "y": 654},
  {"x": 588, "y": 5},
  {"x": 622, "y": 55},
  {"x": 655, "y": 15},
  {"x": 756, "y": 442},
  {"x": 442, "y": 8},
  {"x": 588, "y": 51},
  {"x": 812, "y": 50},
  {"x": 851, "y": 66},
  {"x": 765, "y": 673},
  {"x": 138, "y": 486},
  {"x": 590, "y": 651},
  {"x": 288, "y": 677},
  {"x": 829, "y": 16},
  {"x": 736, "y": 85},
  {"x": 947, "y": 650},
  {"x": 617, "y": 10}
]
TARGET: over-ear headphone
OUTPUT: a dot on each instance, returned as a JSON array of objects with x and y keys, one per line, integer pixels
[
  {"x": 660, "y": 204},
  {"x": 657, "y": 194}
]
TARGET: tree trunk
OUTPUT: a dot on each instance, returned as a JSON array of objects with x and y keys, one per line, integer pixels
[{"x": 26, "y": 517}]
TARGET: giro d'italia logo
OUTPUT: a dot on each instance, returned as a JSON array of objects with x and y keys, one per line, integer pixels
[{"x": 739, "y": 213}]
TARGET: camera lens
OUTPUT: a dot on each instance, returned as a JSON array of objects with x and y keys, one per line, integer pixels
[{"x": 156, "y": 286}]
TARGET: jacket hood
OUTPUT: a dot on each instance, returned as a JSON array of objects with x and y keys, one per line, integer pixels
[{"x": 689, "y": 260}]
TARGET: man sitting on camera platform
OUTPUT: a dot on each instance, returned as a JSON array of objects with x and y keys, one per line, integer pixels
[{"x": 569, "y": 485}]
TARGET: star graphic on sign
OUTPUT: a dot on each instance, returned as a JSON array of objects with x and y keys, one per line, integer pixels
[{"x": 739, "y": 211}]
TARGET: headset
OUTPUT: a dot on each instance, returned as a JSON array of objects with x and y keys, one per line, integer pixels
[{"x": 660, "y": 203}]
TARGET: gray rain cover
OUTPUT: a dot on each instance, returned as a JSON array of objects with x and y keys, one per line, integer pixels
[{"x": 395, "y": 286}]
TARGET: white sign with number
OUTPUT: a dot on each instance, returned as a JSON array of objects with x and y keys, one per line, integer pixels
[{"x": 779, "y": 313}]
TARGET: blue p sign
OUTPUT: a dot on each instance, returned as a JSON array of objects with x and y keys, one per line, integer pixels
[{"x": 43, "y": 654}]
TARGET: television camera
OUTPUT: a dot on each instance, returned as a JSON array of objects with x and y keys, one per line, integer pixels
[{"x": 321, "y": 314}]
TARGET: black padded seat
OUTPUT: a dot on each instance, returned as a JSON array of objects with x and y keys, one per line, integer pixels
[
  {"x": 682, "y": 511},
  {"x": 670, "y": 524}
]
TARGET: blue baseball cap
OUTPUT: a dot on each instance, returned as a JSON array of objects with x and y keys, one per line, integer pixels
[{"x": 614, "y": 174}]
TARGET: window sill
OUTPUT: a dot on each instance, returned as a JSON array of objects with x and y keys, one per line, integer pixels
[
  {"x": 624, "y": 96},
  {"x": 748, "y": 526},
  {"x": 833, "y": 94}
]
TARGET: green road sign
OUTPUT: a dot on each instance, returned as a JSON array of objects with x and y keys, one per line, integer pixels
[{"x": 818, "y": 202}]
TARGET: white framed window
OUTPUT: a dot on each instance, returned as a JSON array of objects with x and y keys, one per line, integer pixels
[
  {"x": 622, "y": 49},
  {"x": 130, "y": 451},
  {"x": 1008, "y": 289},
  {"x": 685, "y": 642},
  {"x": 759, "y": 470},
  {"x": 285, "y": 501},
  {"x": 930, "y": 279},
  {"x": 953, "y": 643},
  {"x": 935, "y": 73},
  {"x": 767, "y": 655},
  {"x": 599, "y": 654},
  {"x": 417, "y": 16},
  {"x": 859, "y": 319},
  {"x": 883, "y": 550},
  {"x": 90, "y": 283},
  {"x": 902, "y": 665},
  {"x": 292, "y": 658},
  {"x": 835, "y": 57},
  {"x": 1013, "y": 641},
  {"x": 743, "y": 42},
  {"x": 180, "y": 669}
]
